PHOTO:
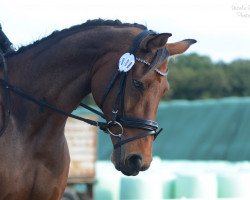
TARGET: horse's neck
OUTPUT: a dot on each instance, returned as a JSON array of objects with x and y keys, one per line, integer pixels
[{"x": 60, "y": 73}]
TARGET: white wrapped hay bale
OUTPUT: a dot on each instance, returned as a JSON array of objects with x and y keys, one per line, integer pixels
[
  {"x": 200, "y": 185},
  {"x": 107, "y": 182},
  {"x": 234, "y": 185},
  {"x": 168, "y": 186},
  {"x": 141, "y": 187}
]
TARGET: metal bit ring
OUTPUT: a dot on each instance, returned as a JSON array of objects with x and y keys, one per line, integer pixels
[{"x": 115, "y": 123}]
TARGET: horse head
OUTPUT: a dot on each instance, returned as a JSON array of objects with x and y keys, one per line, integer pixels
[{"x": 130, "y": 96}]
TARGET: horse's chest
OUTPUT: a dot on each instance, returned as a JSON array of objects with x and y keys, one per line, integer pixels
[
  {"x": 37, "y": 182},
  {"x": 27, "y": 176}
]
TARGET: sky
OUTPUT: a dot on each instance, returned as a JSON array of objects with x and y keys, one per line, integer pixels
[{"x": 221, "y": 27}]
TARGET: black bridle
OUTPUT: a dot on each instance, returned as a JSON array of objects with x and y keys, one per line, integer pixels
[
  {"x": 118, "y": 113},
  {"x": 119, "y": 119}
]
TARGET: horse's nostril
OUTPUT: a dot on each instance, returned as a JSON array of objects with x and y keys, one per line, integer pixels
[{"x": 134, "y": 162}]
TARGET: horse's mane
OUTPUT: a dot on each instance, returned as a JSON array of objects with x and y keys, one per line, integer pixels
[{"x": 87, "y": 25}]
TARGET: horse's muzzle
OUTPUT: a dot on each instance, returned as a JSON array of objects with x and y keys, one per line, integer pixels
[{"x": 133, "y": 164}]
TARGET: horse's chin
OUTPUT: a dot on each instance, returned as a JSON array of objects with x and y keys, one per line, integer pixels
[
  {"x": 126, "y": 172},
  {"x": 135, "y": 173}
]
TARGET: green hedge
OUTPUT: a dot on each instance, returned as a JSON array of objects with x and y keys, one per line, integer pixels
[{"x": 197, "y": 77}]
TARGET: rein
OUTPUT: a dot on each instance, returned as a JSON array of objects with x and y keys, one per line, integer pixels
[
  {"x": 6, "y": 96},
  {"x": 43, "y": 103},
  {"x": 118, "y": 116}
]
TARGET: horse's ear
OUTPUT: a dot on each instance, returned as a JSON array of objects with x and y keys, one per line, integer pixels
[
  {"x": 179, "y": 47},
  {"x": 157, "y": 41}
]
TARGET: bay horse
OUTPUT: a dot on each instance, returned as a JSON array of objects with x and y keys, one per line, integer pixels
[{"x": 123, "y": 66}]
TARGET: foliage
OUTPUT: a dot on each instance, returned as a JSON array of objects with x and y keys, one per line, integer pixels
[{"x": 197, "y": 77}]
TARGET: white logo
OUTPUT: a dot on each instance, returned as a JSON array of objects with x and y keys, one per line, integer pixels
[{"x": 126, "y": 62}]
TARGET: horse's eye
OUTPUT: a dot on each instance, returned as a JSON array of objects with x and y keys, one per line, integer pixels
[{"x": 138, "y": 85}]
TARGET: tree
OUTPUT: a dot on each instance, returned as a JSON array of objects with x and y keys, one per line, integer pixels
[{"x": 197, "y": 77}]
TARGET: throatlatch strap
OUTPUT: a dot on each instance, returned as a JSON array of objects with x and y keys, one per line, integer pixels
[{"x": 111, "y": 84}]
